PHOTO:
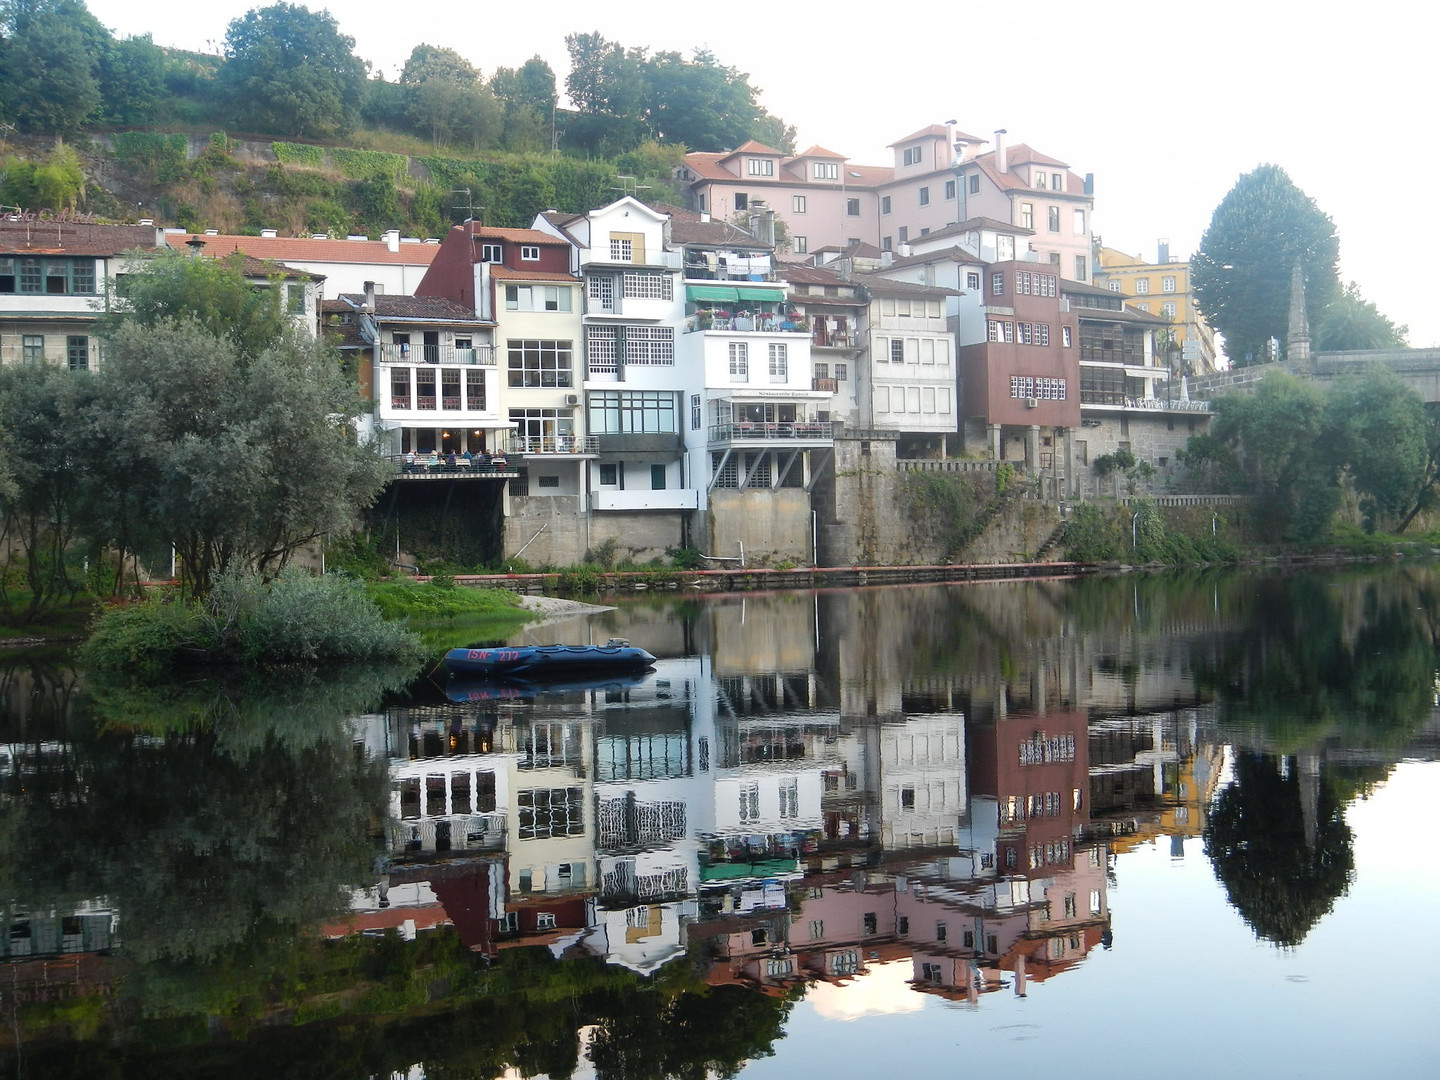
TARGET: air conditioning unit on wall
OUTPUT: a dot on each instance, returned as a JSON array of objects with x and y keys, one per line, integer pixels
[
  {"x": 1032, "y": 403},
  {"x": 572, "y": 399}
]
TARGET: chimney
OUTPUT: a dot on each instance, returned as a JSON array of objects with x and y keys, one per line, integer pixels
[
  {"x": 196, "y": 246},
  {"x": 392, "y": 240},
  {"x": 369, "y": 297},
  {"x": 1001, "y": 161},
  {"x": 1162, "y": 252},
  {"x": 268, "y": 234}
]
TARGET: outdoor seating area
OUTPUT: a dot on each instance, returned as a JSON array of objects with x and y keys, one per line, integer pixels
[{"x": 450, "y": 464}]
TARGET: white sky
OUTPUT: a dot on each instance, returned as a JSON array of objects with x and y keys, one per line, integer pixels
[{"x": 1166, "y": 104}]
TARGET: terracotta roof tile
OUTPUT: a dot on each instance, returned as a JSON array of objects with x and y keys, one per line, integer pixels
[
  {"x": 303, "y": 249},
  {"x": 933, "y": 131},
  {"x": 818, "y": 151},
  {"x": 396, "y": 306},
  {"x": 753, "y": 147},
  {"x": 67, "y": 238},
  {"x": 886, "y": 287},
  {"x": 504, "y": 273}
]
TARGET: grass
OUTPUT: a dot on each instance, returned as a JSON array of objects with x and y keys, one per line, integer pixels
[{"x": 446, "y": 616}]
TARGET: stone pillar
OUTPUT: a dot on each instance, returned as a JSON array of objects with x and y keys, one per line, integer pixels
[
  {"x": 1032, "y": 450},
  {"x": 1297, "y": 339},
  {"x": 992, "y": 435},
  {"x": 1067, "y": 472}
]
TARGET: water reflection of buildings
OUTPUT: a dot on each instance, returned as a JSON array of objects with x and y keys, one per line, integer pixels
[{"x": 742, "y": 818}]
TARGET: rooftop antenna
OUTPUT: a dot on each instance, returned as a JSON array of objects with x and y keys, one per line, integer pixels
[
  {"x": 6, "y": 130},
  {"x": 468, "y": 206},
  {"x": 629, "y": 185}
]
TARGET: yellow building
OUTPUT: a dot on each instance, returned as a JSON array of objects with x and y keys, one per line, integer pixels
[{"x": 1162, "y": 288}]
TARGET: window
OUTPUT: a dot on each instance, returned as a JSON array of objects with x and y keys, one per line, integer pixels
[
  {"x": 903, "y": 233},
  {"x": 885, "y": 204},
  {"x": 32, "y": 348},
  {"x": 742, "y": 201},
  {"x": 739, "y": 361},
  {"x": 295, "y": 299},
  {"x": 1065, "y": 336},
  {"x": 53, "y": 277},
  {"x": 974, "y": 184},
  {"x": 1168, "y": 309},
  {"x": 621, "y": 250},
  {"x": 1027, "y": 215},
  {"x": 548, "y": 481},
  {"x": 925, "y": 196},
  {"x": 907, "y": 797},
  {"x": 529, "y": 253},
  {"x": 537, "y": 298},
  {"x": 869, "y": 924},
  {"x": 1142, "y": 286},
  {"x": 631, "y": 412},
  {"x": 77, "y": 352},
  {"x": 790, "y": 798},
  {"x": 817, "y": 929},
  {"x": 826, "y": 170},
  {"x": 551, "y": 812},
  {"x": 540, "y": 363},
  {"x": 911, "y": 155},
  {"x": 760, "y": 166},
  {"x": 897, "y": 350},
  {"x": 749, "y": 801},
  {"x": 949, "y": 189},
  {"x": 1167, "y": 283},
  {"x": 779, "y": 362},
  {"x": 1094, "y": 901},
  {"x": 852, "y": 207},
  {"x": 972, "y": 280},
  {"x": 695, "y": 412},
  {"x": 1039, "y": 179},
  {"x": 885, "y": 244},
  {"x": 657, "y": 477},
  {"x": 1114, "y": 286},
  {"x": 797, "y": 204},
  {"x": 1053, "y": 214},
  {"x": 489, "y": 253},
  {"x": 801, "y": 245},
  {"x": 609, "y": 474},
  {"x": 1081, "y": 264},
  {"x": 1079, "y": 222},
  {"x": 842, "y": 372},
  {"x": 997, "y": 284},
  {"x": 642, "y": 286}
]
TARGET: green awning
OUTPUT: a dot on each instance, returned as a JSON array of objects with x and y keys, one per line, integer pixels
[
  {"x": 773, "y": 295},
  {"x": 711, "y": 292}
]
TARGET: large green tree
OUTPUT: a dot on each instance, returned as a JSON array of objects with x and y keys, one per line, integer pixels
[
  {"x": 447, "y": 98},
  {"x": 527, "y": 96},
  {"x": 1376, "y": 430},
  {"x": 289, "y": 71},
  {"x": 48, "y": 54},
  {"x": 1242, "y": 270},
  {"x": 229, "y": 431}
]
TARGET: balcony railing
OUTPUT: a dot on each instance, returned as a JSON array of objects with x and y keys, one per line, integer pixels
[
  {"x": 703, "y": 271},
  {"x": 554, "y": 444},
  {"x": 829, "y": 386},
  {"x": 832, "y": 339},
  {"x": 421, "y": 467},
  {"x": 1097, "y": 397},
  {"x": 740, "y": 430},
  {"x": 483, "y": 355},
  {"x": 745, "y": 324}
]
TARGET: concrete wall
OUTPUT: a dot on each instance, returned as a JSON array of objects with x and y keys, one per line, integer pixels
[
  {"x": 570, "y": 534},
  {"x": 1154, "y": 437},
  {"x": 773, "y": 524}
]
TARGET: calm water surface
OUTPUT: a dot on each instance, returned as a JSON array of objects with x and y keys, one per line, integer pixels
[{"x": 1097, "y": 827}]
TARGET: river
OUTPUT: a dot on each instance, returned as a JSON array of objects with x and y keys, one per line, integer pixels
[{"x": 1100, "y": 826}]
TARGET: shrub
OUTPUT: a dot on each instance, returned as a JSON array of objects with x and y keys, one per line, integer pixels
[{"x": 301, "y": 154}]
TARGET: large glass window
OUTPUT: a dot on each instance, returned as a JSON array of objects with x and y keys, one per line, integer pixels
[
  {"x": 537, "y": 298},
  {"x": 535, "y": 362},
  {"x": 641, "y": 286},
  {"x": 52, "y": 277},
  {"x": 551, "y": 812},
  {"x": 615, "y": 412},
  {"x": 779, "y": 362},
  {"x": 77, "y": 352}
]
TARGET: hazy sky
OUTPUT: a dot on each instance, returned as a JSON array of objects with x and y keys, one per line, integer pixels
[{"x": 1166, "y": 104}]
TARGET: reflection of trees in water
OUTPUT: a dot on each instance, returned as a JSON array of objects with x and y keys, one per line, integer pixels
[
  {"x": 1280, "y": 846},
  {"x": 204, "y": 814},
  {"x": 1319, "y": 655}
]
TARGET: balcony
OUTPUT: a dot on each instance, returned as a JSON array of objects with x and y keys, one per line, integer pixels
[
  {"x": 645, "y": 499},
  {"x": 745, "y": 324},
  {"x": 484, "y": 355},
  {"x": 1099, "y": 398},
  {"x": 826, "y": 386},
  {"x": 798, "y": 431},
  {"x": 832, "y": 339},
  {"x": 421, "y": 468},
  {"x": 558, "y": 445}
]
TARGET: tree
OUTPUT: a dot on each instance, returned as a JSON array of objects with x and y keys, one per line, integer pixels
[
  {"x": 290, "y": 71},
  {"x": 60, "y": 182},
  {"x": 698, "y": 102},
  {"x": 527, "y": 96},
  {"x": 132, "y": 80},
  {"x": 607, "y": 87},
  {"x": 1242, "y": 270},
  {"x": 446, "y": 95},
  {"x": 230, "y": 435},
  {"x": 1352, "y": 322},
  {"x": 48, "y": 51},
  {"x": 1376, "y": 427}
]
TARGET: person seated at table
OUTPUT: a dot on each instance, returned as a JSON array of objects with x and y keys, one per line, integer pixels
[
  {"x": 409, "y": 460},
  {"x": 434, "y": 461},
  {"x": 497, "y": 460},
  {"x": 450, "y": 459},
  {"x": 469, "y": 459}
]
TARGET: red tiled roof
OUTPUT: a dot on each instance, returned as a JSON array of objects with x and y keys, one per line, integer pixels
[
  {"x": 886, "y": 287},
  {"x": 818, "y": 151},
  {"x": 504, "y": 273},
  {"x": 931, "y": 132},
  {"x": 397, "y": 306},
  {"x": 303, "y": 249},
  {"x": 515, "y": 236},
  {"x": 252, "y": 267},
  {"x": 753, "y": 147},
  {"x": 67, "y": 238}
]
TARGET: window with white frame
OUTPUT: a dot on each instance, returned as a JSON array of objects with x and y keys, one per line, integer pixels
[
  {"x": 925, "y": 196},
  {"x": 1168, "y": 309},
  {"x": 1027, "y": 215},
  {"x": 1082, "y": 264},
  {"x": 911, "y": 155},
  {"x": 801, "y": 245},
  {"x": 1065, "y": 338},
  {"x": 749, "y": 801},
  {"x": 797, "y": 204},
  {"x": 760, "y": 166},
  {"x": 650, "y": 345},
  {"x": 1057, "y": 182},
  {"x": 842, "y": 372},
  {"x": 885, "y": 204},
  {"x": 1167, "y": 283},
  {"x": 739, "y": 361},
  {"x": 642, "y": 286},
  {"x": 548, "y": 812},
  {"x": 779, "y": 362},
  {"x": 621, "y": 249},
  {"x": 1022, "y": 386},
  {"x": 1079, "y": 222},
  {"x": 826, "y": 170},
  {"x": 601, "y": 350},
  {"x": 897, "y": 350},
  {"x": 537, "y": 298},
  {"x": 1114, "y": 286},
  {"x": 972, "y": 280},
  {"x": 949, "y": 189},
  {"x": 529, "y": 252},
  {"x": 1053, "y": 218},
  {"x": 32, "y": 348},
  {"x": 997, "y": 284},
  {"x": 633, "y": 412},
  {"x": 1039, "y": 179},
  {"x": 539, "y": 363},
  {"x": 490, "y": 253},
  {"x": 1142, "y": 286},
  {"x": 695, "y": 419}
]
